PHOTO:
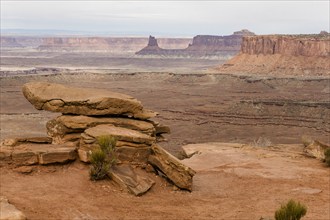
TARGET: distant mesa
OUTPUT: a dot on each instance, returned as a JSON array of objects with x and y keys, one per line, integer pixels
[
  {"x": 152, "y": 42},
  {"x": 202, "y": 45},
  {"x": 282, "y": 55}
]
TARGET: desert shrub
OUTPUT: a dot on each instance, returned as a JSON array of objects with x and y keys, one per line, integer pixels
[
  {"x": 262, "y": 142},
  {"x": 291, "y": 211},
  {"x": 327, "y": 156},
  {"x": 102, "y": 158}
]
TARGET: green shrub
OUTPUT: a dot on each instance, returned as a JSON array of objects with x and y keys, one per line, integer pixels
[
  {"x": 291, "y": 211},
  {"x": 102, "y": 158},
  {"x": 327, "y": 156}
]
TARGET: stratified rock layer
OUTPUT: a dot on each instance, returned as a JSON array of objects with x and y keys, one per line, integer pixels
[
  {"x": 30, "y": 154},
  {"x": 282, "y": 55},
  {"x": 132, "y": 146},
  {"x": 180, "y": 174},
  {"x": 62, "y": 128},
  {"x": 202, "y": 45},
  {"x": 81, "y": 101}
]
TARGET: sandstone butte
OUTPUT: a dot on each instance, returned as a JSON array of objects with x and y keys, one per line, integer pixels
[
  {"x": 281, "y": 55},
  {"x": 82, "y": 101}
]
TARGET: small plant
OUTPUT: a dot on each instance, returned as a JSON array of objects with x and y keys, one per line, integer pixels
[
  {"x": 262, "y": 142},
  {"x": 291, "y": 211},
  {"x": 102, "y": 158},
  {"x": 327, "y": 156}
]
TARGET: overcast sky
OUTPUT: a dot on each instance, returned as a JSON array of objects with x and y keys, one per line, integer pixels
[{"x": 168, "y": 18}]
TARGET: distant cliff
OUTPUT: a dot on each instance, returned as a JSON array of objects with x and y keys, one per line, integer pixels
[
  {"x": 124, "y": 45},
  {"x": 282, "y": 55},
  {"x": 304, "y": 45},
  {"x": 9, "y": 42},
  {"x": 202, "y": 45}
]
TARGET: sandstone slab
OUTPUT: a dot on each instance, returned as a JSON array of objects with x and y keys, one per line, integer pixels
[
  {"x": 24, "y": 140},
  {"x": 81, "y": 101},
  {"x": 128, "y": 179},
  {"x": 180, "y": 174},
  {"x": 131, "y": 146},
  {"x": 30, "y": 154},
  {"x": 121, "y": 134},
  {"x": 59, "y": 127},
  {"x": 9, "y": 211}
]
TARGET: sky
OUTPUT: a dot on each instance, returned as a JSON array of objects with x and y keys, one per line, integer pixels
[{"x": 167, "y": 18}]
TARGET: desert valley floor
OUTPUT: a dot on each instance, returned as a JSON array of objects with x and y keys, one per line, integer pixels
[{"x": 240, "y": 180}]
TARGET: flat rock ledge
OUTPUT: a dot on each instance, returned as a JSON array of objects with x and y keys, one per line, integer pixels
[
  {"x": 82, "y": 101},
  {"x": 69, "y": 127},
  {"x": 9, "y": 211},
  {"x": 31, "y": 154},
  {"x": 180, "y": 174}
]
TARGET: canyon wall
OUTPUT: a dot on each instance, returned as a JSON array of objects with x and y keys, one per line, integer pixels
[
  {"x": 282, "y": 55},
  {"x": 202, "y": 45},
  {"x": 314, "y": 45},
  {"x": 125, "y": 45}
]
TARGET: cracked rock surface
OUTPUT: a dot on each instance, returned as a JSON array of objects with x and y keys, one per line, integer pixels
[{"x": 82, "y": 101}]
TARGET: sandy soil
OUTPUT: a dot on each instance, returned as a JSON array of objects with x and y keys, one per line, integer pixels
[
  {"x": 198, "y": 108},
  {"x": 233, "y": 183}
]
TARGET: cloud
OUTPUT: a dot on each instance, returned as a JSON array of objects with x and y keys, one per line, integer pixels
[{"x": 171, "y": 17}]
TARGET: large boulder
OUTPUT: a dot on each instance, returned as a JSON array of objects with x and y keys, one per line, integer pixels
[
  {"x": 82, "y": 101},
  {"x": 180, "y": 174},
  {"x": 9, "y": 211},
  {"x": 62, "y": 127},
  {"x": 132, "y": 146}
]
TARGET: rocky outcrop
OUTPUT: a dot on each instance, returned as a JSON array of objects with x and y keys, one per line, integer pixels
[
  {"x": 9, "y": 211},
  {"x": 282, "y": 55},
  {"x": 75, "y": 132},
  {"x": 132, "y": 146},
  {"x": 202, "y": 45},
  {"x": 180, "y": 174},
  {"x": 112, "y": 45},
  {"x": 62, "y": 128},
  {"x": 30, "y": 154},
  {"x": 80, "y": 101},
  {"x": 307, "y": 46}
]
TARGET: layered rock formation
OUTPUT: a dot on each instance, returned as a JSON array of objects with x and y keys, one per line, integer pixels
[
  {"x": 88, "y": 114},
  {"x": 79, "y": 101},
  {"x": 202, "y": 45},
  {"x": 282, "y": 54},
  {"x": 112, "y": 45}
]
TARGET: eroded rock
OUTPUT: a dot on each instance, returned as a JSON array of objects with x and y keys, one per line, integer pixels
[
  {"x": 82, "y": 101},
  {"x": 132, "y": 146},
  {"x": 128, "y": 179},
  {"x": 180, "y": 174},
  {"x": 24, "y": 140},
  {"x": 30, "y": 154},
  {"x": 67, "y": 124}
]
